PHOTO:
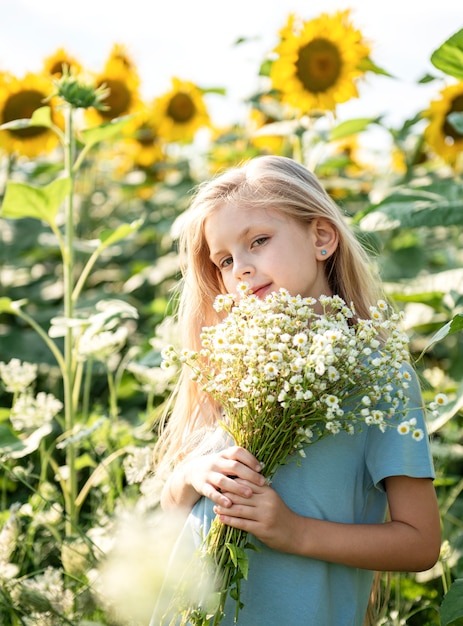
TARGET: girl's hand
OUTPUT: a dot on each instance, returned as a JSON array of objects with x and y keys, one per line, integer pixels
[
  {"x": 220, "y": 476},
  {"x": 264, "y": 514},
  {"x": 409, "y": 541}
]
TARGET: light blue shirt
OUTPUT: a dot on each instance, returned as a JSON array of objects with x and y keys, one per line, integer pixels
[{"x": 341, "y": 480}]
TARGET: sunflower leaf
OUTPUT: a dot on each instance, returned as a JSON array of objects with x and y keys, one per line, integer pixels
[
  {"x": 454, "y": 326},
  {"x": 42, "y": 203},
  {"x": 414, "y": 208},
  {"x": 110, "y": 237},
  {"x": 40, "y": 117},
  {"x": 367, "y": 65},
  {"x": 449, "y": 56},
  {"x": 92, "y": 136},
  {"x": 352, "y": 127}
]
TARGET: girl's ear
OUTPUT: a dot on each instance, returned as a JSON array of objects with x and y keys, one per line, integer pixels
[{"x": 326, "y": 238}]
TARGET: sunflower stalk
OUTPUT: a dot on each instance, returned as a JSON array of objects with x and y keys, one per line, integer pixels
[{"x": 68, "y": 269}]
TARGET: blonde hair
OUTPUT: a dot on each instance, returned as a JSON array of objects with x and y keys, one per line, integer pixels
[{"x": 273, "y": 182}]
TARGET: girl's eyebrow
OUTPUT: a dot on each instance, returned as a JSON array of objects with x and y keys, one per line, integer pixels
[{"x": 215, "y": 253}]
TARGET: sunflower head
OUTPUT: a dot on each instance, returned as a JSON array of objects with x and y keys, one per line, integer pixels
[
  {"x": 144, "y": 144},
  {"x": 59, "y": 61},
  {"x": 120, "y": 62},
  {"x": 182, "y": 111},
  {"x": 318, "y": 62},
  {"x": 79, "y": 94},
  {"x": 19, "y": 98},
  {"x": 441, "y": 136},
  {"x": 120, "y": 79}
]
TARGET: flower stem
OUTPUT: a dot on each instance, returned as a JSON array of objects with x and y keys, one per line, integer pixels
[{"x": 68, "y": 268}]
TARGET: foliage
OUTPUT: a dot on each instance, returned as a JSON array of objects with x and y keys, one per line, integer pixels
[{"x": 88, "y": 271}]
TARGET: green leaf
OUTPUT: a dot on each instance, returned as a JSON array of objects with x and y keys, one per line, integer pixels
[
  {"x": 239, "y": 558},
  {"x": 15, "y": 448},
  {"x": 42, "y": 203},
  {"x": 452, "y": 327},
  {"x": 449, "y": 56},
  {"x": 352, "y": 127},
  {"x": 92, "y": 136},
  {"x": 7, "y": 439},
  {"x": 40, "y": 117},
  {"x": 367, "y": 65},
  {"x": 219, "y": 91},
  {"x": 414, "y": 208},
  {"x": 452, "y": 605},
  {"x": 109, "y": 237},
  {"x": 430, "y": 298}
]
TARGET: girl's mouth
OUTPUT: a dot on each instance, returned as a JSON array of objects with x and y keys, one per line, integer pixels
[{"x": 261, "y": 291}]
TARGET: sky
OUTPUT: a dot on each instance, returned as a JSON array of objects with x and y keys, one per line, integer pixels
[{"x": 194, "y": 40}]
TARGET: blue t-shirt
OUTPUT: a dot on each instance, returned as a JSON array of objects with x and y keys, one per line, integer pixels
[{"x": 341, "y": 480}]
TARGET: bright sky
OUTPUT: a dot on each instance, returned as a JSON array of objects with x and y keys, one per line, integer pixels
[{"x": 194, "y": 40}]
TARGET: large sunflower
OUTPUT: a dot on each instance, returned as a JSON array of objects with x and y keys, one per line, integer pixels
[
  {"x": 55, "y": 63},
  {"x": 440, "y": 135},
  {"x": 319, "y": 62},
  {"x": 120, "y": 76},
  {"x": 19, "y": 98},
  {"x": 182, "y": 111}
]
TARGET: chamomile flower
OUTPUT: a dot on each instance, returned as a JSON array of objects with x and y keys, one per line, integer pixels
[{"x": 403, "y": 428}]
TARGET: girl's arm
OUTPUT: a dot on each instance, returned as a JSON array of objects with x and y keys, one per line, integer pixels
[
  {"x": 211, "y": 475},
  {"x": 410, "y": 541}
]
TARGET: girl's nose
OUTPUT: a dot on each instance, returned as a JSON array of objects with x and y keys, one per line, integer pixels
[{"x": 242, "y": 269}]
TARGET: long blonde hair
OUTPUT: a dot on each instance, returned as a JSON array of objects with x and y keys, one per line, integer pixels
[{"x": 273, "y": 182}]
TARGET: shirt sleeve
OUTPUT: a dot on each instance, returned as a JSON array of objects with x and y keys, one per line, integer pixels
[{"x": 393, "y": 454}]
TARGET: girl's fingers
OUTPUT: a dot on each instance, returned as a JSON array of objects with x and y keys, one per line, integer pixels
[{"x": 243, "y": 456}]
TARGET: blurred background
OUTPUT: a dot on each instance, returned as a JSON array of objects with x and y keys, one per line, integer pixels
[{"x": 196, "y": 41}]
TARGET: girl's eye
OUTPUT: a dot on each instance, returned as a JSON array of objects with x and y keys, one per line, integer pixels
[
  {"x": 226, "y": 262},
  {"x": 259, "y": 241}
]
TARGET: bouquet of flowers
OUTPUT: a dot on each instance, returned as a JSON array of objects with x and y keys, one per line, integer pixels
[{"x": 287, "y": 376}]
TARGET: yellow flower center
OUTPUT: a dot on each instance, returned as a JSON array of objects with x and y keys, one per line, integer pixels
[
  {"x": 119, "y": 99},
  {"x": 21, "y": 105},
  {"x": 450, "y": 131},
  {"x": 318, "y": 65},
  {"x": 181, "y": 108}
]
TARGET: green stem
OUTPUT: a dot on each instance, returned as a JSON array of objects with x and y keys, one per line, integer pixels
[
  {"x": 85, "y": 273},
  {"x": 68, "y": 268},
  {"x": 113, "y": 409},
  {"x": 87, "y": 389},
  {"x": 51, "y": 344}
]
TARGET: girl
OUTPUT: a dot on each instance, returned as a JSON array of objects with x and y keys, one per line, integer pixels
[{"x": 320, "y": 527}]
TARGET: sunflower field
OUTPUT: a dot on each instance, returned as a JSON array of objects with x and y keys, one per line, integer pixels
[{"x": 92, "y": 181}]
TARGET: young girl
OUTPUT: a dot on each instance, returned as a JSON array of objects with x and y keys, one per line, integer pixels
[{"x": 320, "y": 527}]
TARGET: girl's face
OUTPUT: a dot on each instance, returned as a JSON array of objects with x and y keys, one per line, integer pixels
[{"x": 269, "y": 250}]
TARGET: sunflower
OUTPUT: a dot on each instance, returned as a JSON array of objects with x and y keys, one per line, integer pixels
[
  {"x": 440, "y": 135},
  {"x": 182, "y": 111},
  {"x": 318, "y": 62},
  {"x": 144, "y": 145},
  {"x": 120, "y": 76},
  {"x": 54, "y": 64},
  {"x": 19, "y": 98}
]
